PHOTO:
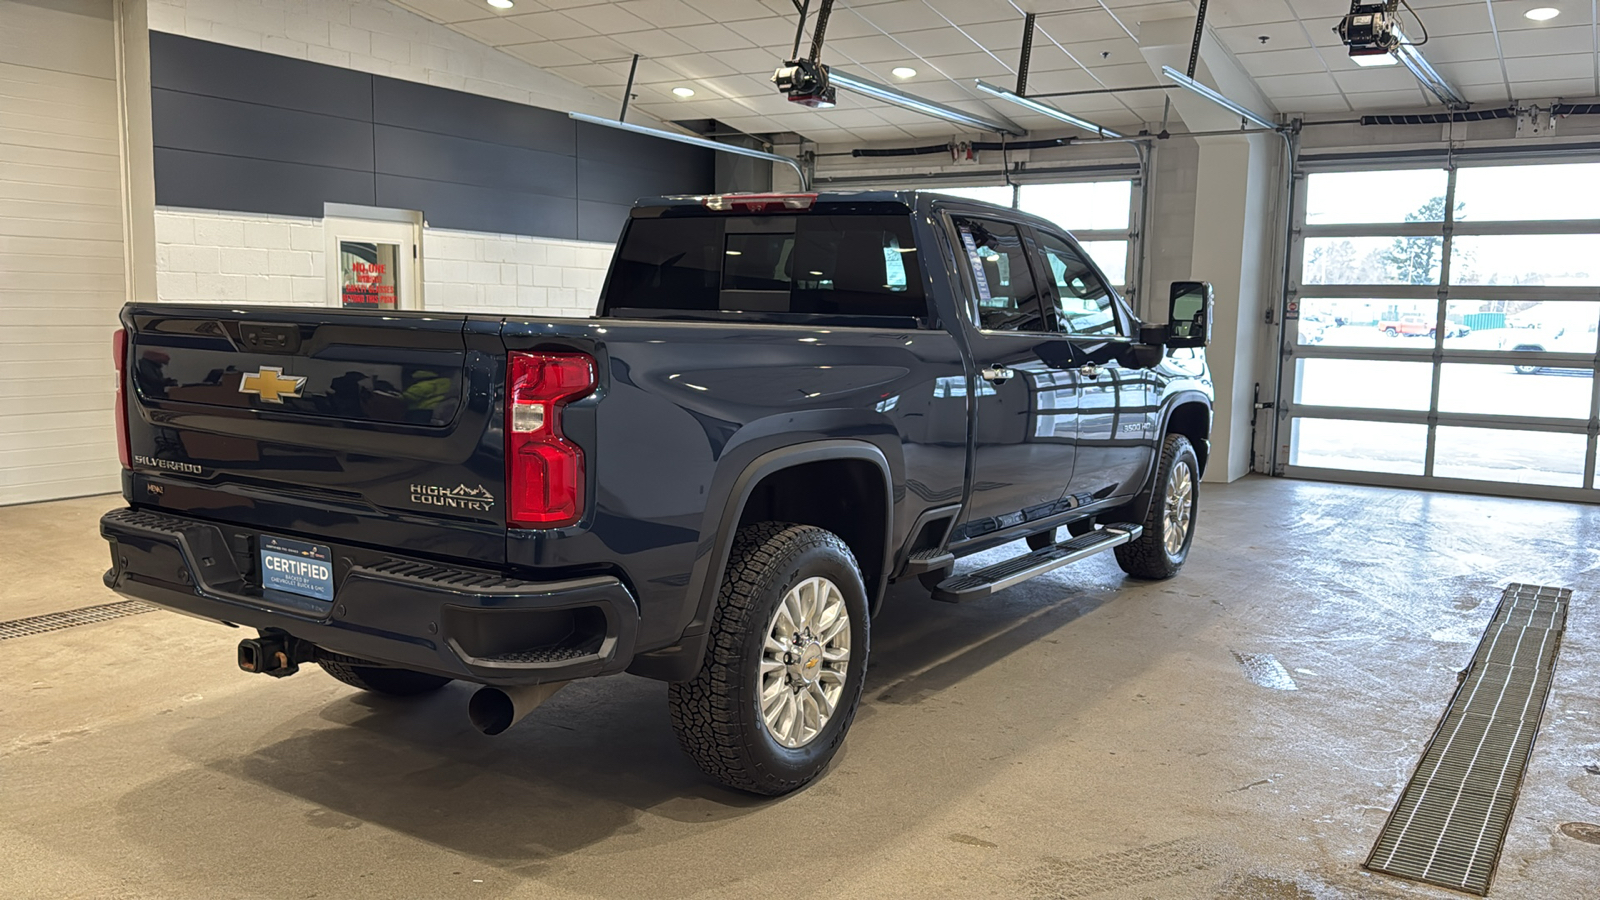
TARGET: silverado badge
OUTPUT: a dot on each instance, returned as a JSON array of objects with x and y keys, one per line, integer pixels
[{"x": 271, "y": 385}]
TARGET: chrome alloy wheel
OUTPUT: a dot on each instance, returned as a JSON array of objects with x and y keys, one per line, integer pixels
[
  {"x": 804, "y": 660},
  {"x": 1180, "y": 509}
]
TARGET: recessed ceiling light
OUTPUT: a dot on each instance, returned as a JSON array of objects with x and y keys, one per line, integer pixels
[
  {"x": 682, "y": 92},
  {"x": 500, "y": 4},
  {"x": 903, "y": 72},
  {"x": 1543, "y": 13}
]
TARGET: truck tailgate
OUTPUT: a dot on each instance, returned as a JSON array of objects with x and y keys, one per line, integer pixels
[{"x": 377, "y": 430}]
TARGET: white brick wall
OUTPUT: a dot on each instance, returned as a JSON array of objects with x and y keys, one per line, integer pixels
[
  {"x": 469, "y": 271},
  {"x": 378, "y": 37},
  {"x": 218, "y": 257}
]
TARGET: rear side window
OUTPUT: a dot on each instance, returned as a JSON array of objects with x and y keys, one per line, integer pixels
[{"x": 784, "y": 266}]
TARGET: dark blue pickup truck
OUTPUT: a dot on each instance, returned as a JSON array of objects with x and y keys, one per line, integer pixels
[{"x": 784, "y": 403}]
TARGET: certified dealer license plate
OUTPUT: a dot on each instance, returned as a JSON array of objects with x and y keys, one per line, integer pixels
[{"x": 296, "y": 567}]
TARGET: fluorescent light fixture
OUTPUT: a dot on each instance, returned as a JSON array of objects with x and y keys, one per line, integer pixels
[
  {"x": 1046, "y": 110},
  {"x": 1432, "y": 81},
  {"x": 696, "y": 142},
  {"x": 683, "y": 92},
  {"x": 1243, "y": 112},
  {"x": 500, "y": 4},
  {"x": 908, "y": 72},
  {"x": 1368, "y": 60},
  {"x": 917, "y": 104},
  {"x": 1542, "y": 14}
]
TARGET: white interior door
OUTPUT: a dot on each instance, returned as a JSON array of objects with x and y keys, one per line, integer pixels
[{"x": 372, "y": 264}]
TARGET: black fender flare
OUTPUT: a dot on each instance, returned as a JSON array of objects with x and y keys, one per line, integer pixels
[{"x": 681, "y": 661}]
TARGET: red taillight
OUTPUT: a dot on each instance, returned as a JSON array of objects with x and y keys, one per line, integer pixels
[
  {"x": 544, "y": 470},
  {"x": 758, "y": 202},
  {"x": 119, "y": 353}
]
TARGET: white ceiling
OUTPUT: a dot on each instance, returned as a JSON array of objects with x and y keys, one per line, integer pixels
[{"x": 725, "y": 50}]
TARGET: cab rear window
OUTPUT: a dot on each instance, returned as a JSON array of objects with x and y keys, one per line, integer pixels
[{"x": 778, "y": 267}]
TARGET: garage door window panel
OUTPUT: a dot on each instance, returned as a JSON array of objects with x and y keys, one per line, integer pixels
[
  {"x": 1375, "y": 322},
  {"x": 1544, "y": 260},
  {"x": 1386, "y": 259},
  {"x": 1383, "y": 447},
  {"x": 1488, "y": 389},
  {"x": 1520, "y": 457},
  {"x": 1528, "y": 193},
  {"x": 1363, "y": 384},
  {"x": 1351, "y": 198}
]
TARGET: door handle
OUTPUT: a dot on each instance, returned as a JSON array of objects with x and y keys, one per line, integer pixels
[
  {"x": 1089, "y": 370},
  {"x": 996, "y": 374}
]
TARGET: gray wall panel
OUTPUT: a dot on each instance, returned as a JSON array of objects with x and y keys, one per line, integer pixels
[
  {"x": 471, "y": 208},
  {"x": 601, "y": 221},
  {"x": 423, "y": 107},
  {"x": 210, "y": 181},
  {"x": 233, "y": 128},
  {"x": 441, "y": 157},
  {"x": 617, "y": 183},
  {"x": 216, "y": 70},
  {"x": 248, "y": 131}
]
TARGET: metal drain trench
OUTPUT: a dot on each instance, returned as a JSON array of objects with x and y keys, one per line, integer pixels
[
  {"x": 1452, "y": 817},
  {"x": 56, "y": 621}
]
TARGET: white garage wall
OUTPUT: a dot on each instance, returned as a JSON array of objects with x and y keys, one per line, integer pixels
[
  {"x": 62, "y": 274},
  {"x": 213, "y": 257}
]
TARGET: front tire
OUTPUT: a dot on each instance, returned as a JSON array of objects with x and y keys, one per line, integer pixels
[
  {"x": 382, "y": 679},
  {"x": 785, "y": 665},
  {"x": 1526, "y": 370},
  {"x": 1169, "y": 520}
]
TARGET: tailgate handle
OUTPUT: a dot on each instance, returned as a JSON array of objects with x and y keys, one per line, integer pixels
[{"x": 270, "y": 337}]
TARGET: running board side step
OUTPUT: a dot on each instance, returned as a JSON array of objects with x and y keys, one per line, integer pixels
[{"x": 992, "y": 579}]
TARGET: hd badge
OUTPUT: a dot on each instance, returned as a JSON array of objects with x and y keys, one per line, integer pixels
[{"x": 270, "y": 384}]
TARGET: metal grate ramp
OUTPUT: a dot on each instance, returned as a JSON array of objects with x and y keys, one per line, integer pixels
[{"x": 1452, "y": 817}]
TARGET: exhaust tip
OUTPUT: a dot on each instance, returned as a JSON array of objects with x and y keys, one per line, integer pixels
[{"x": 491, "y": 710}]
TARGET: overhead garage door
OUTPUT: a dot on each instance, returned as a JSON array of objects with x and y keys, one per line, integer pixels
[
  {"x": 1443, "y": 329},
  {"x": 61, "y": 248}
]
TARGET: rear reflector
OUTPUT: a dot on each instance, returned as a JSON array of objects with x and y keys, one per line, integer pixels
[
  {"x": 544, "y": 470},
  {"x": 119, "y": 353},
  {"x": 758, "y": 202}
]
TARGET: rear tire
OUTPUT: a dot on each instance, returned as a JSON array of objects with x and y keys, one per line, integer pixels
[
  {"x": 1390, "y": 331},
  {"x": 753, "y": 718},
  {"x": 1157, "y": 553},
  {"x": 384, "y": 680},
  {"x": 1526, "y": 370}
]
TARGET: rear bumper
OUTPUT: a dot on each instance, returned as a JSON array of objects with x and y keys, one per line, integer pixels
[{"x": 473, "y": 625}]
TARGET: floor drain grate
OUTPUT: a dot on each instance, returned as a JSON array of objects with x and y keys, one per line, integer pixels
[
  {"x": 56, "y": 621},
  {"x": 1265, "y": 670},
  {"x": 1452, "y": 817}
]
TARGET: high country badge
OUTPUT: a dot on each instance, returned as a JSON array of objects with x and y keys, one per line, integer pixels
[{"x": 476, "y": 499}]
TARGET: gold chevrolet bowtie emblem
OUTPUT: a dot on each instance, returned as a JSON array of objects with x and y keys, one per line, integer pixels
[{"x": 271, "y": 385}]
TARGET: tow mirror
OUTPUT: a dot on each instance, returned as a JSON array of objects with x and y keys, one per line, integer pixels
[{"x": 1189, "y": 314}]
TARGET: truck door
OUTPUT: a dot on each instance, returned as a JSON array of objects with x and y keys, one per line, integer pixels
[
  {"x": 1023, "y": 405},
  {"x": 1117, "y": 405}
]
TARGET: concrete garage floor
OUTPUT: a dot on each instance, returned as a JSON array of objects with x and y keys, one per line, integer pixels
[{"x": 1077, "y": 736}]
